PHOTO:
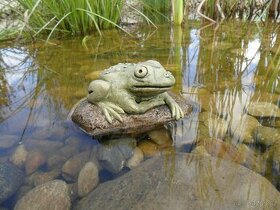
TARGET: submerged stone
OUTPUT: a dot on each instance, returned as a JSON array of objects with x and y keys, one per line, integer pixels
[
  {"x": 184, "y": 182},
  {"x": 263, "y": 109},
  {"x": 51, "y": 195},
  {"x": 11, "y": 179},
  {"x": 113, "y": 154},
  {"x": 91, "y": 120}
]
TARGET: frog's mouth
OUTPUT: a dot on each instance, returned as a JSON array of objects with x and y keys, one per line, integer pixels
[{"x": 150, "y": 88}]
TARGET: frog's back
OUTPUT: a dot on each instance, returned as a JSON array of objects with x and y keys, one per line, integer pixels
[{"x": 115, "y": 70}]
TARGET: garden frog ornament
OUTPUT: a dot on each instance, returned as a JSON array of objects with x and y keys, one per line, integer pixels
[{"x": 134, "y": 89}]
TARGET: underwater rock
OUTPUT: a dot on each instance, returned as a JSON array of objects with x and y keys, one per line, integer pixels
[
  {"x": 11, "y": 179},
  {"x": 184, "y": 182},
  {"x": 34, "y": 160},
  {"x": 8, "y": 141},
  {"x": 161, "y": 137},
  {"x": 243, "y": 129},
  {"x": 136, "y": 159},
  {"x": 51, "y": 195},
  {"x": 45, "y": 146},
  {"x": 88, "y": 179},
  {"x": 266, "y": 135},
  {"x": 92, "y": 121},
  {"x": 149, "y": 148},
  {"x": 263, "y": 109},
  {"x": 113, "y": 154},
  {"x": 39, "y": 178},
  {"x": 72, "y": 167},
  {"x": 19, "y": 156},
  {"x": 217, "y": 127}
]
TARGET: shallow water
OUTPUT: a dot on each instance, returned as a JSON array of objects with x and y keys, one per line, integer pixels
[{"x": 223, "y": 69}]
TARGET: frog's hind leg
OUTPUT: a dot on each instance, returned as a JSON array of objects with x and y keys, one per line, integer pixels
[{"x": 111, "y": 111}]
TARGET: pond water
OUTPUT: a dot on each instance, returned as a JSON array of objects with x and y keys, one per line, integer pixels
[{"x": 225, "y": 70}]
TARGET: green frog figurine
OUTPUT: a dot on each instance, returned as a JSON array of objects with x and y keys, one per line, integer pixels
[{"x": 134, "y": 89}]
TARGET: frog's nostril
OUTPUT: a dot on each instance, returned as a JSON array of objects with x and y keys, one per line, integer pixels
[{"x": 167, "y": 75}]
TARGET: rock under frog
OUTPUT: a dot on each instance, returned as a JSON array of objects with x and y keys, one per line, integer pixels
[{"x": 134, "y": 89}]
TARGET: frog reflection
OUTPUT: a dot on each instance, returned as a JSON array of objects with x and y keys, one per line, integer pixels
[{"x": 134, "y": 89}]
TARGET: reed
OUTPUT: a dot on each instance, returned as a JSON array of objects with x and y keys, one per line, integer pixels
[{"x": 70, "y": 16}]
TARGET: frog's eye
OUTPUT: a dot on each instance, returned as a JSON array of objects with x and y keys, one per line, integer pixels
[{"x": 141, "y": 72}]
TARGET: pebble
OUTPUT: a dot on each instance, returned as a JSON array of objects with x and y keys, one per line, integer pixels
[
  {"x": 72, "y": 167},
  {"x": 88, "y": 179},
  {"x": 149, "y": 148},
  {"x": 34, "y": 160},
  {"x": 161, "y": 137},
  {"x": 136, "y": 159},
  {"x": 19, "y": 156},
  {"x": 8, "y": 141},
  {"x": 11, "y": 178},
  {"x": 51, "y": 195}
]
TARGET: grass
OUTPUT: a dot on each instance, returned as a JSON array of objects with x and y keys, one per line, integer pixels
[
  {"x": 157, "y": 10},
  {"x": 76, "y": 17}
]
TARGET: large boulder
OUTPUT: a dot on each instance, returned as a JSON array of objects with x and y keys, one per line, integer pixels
[
  {"x": 90, "y": 118},
  {"x": 11, "y": 179},
  {"x": 184, "y": 181}
]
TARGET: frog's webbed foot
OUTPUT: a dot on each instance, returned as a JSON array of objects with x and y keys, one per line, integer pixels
[
  {"x": 111, "y": 111},
  {"x": 176, "y": 110}
]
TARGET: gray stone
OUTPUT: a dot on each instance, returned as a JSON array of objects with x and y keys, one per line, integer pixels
[
  {"x": 242, "y": 129},
  {"x": 263, "y": 109},
  {"x": 266, "y": 135},
  {"x": 8, "y": 141},
  {"x": 72, "y": 167},
  {"x": 113, "y": 154},
  {"x": 88, "y": 179},
  {"x": 51, "y": 195},
  {"x": 91, "y": 120},
  {"x": 184, "y": 182},
  {"x": 11, "y": 179}
]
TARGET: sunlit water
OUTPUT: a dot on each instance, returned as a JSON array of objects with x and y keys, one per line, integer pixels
[{"x": 223, "y": 69}]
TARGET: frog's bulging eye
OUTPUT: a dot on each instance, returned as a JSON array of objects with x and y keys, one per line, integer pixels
[{"x": 141, "y": 72}]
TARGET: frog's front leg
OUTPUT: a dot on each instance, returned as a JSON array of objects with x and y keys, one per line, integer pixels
[
  {"x": 98, "y": 94},
  {"x": 133, "y": 107},
  {"x": 111, "y": 111},
  {"x": 176, "y": 110}
]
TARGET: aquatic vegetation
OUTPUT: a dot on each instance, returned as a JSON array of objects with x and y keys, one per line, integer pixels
[{"x": 71, "y": 16}]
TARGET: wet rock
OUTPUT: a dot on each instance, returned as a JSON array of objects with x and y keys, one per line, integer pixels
[
  {"x": 243, "y": 129},
  {"x": 149, "y": 148},
  {"x": 91, "y": 120},
  {"x": 8, "y": 141},
  {"x": 19, "y": 156},
  {"x": 72, "y": 167},
  {"x": 40, "y": 177},
  {"x": 263, "y": 109},
  {"x": 136, "y": 159},
  {"x": 240, "y": 153},
  {"x": 11, "y": 179},
  {"x": 60, "y": 156},
  {"x": 73, "y": 191},
  {"x": 200, "y": 150},
  {"x": 161, "y": 137},
  {"x": 113, "y": 154},
  {"x": 185, "y": 181},
  {"x": 51, "y": 195},
  {"x": 41, "y": 133},
  {"x": 88, "y": 179},
  {"x": 217, "y": 127},
  {"x": 45, "y": 146},
  {"x": 266, "y": 135},
  {"x": 22, "y": 191},
  {"x": 34, "y": 160}
]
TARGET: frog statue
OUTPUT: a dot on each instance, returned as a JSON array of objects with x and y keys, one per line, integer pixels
[{"x": 134, "y": 89}]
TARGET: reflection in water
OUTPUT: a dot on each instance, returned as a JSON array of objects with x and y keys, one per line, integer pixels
[{"x": 223, "y": 70}]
